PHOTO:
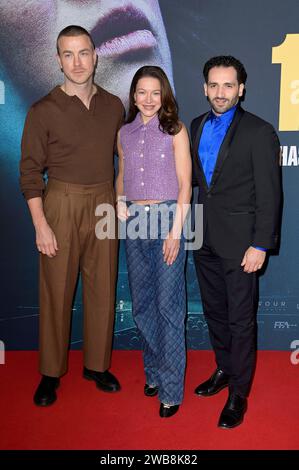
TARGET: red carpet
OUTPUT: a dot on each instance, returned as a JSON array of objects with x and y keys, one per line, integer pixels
[{"x": 86, "y": 418}]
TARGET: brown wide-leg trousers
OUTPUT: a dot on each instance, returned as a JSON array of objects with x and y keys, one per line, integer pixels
[{"x": 70, "y": 212}]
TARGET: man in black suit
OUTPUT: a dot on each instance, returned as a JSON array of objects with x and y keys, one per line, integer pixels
[{"x": 236, "y": 166}]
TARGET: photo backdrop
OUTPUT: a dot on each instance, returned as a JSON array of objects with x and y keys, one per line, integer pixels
[{"x": 263, "y": 34}]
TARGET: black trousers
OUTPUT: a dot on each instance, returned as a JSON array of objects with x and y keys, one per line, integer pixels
[{"x": 229, "y": 297}]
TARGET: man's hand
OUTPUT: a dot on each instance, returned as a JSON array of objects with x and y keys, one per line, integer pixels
[
  {"x": 45, "y": 240},
  {"x": 253, "y": 259},
  {"x": 171, "y": 248}
]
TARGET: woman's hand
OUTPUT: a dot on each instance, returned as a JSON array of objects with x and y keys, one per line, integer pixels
[
  {"x": 122, "y": 210},
  {"x": 171, "y": 248}
]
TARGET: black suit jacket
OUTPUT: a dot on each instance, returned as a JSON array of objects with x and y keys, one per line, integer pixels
[{"x": 242, "y": 203}]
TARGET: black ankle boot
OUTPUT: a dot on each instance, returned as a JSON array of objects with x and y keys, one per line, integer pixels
[
  {"x": 45, "y": 393},
  {"x": 233, "y": 412},
  {"x": 213, "y": 385}
]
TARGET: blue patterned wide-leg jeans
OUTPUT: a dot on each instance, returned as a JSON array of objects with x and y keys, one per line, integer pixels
[{"x": 159, "y": 309}]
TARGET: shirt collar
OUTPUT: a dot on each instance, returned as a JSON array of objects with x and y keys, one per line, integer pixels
[
  {"x": 64, "y": 100},
  {"x": 138, "y": 123}
]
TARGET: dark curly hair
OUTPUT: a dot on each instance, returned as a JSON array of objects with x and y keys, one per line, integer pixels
[
  {"x": 225, "y": 61},
  {"x": 168, "y": 113}
]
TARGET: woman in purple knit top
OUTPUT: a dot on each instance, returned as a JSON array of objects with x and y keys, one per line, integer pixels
[{"x": 153, "y": 194}]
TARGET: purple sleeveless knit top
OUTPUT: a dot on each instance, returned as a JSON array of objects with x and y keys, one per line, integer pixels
[{"x": 149, "y": 165}]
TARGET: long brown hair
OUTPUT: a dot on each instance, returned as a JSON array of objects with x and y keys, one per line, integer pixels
[{"x": 168, "y": 113}]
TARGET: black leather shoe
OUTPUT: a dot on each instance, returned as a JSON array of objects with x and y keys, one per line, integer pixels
[
  {"x": 168, "y": 410},
  {"x": 233, "y": 412},
  {"x": 213, "y": 385},
  {"x": 104, "y": 380},
  {"x": 150, "y": 390},
  {"x": 45, "y": 393}
]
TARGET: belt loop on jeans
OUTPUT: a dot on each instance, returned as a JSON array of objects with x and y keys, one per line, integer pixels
[{"x": 66, "y": 189}]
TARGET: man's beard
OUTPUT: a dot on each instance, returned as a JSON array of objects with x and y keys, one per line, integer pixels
[{"x": 228, "y": 105}]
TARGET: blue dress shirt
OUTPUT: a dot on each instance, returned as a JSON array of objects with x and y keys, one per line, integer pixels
[{"x": 213, "y": 133}]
